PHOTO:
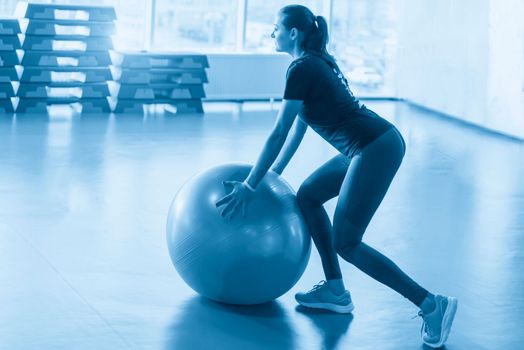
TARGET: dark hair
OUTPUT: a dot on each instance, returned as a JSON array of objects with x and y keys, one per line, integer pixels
[{"x": 315, "y": 29}]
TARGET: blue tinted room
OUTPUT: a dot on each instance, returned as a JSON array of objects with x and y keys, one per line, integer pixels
[{"x": 261, "y": 174}]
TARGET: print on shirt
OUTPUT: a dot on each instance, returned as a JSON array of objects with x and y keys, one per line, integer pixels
[{"x": 343, "y": 80}]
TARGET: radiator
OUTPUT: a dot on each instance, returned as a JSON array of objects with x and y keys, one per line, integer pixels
[{"x": 246, "y": 76}]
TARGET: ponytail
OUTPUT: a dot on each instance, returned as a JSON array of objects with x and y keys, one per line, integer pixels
[
  {"x": 317, "y": 38},
  {"x": 315, "y": 29}
]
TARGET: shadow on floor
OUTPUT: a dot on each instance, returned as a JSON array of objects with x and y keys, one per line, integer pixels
[
  {"x": 205, "y": 324},
  {"x": 330, "y": 326}
]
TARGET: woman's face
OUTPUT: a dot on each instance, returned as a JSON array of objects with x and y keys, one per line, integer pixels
[{"x": 283, "y": 37}]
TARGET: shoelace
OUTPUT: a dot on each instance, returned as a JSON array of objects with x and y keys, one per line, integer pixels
[
  {"x": 318, "y": 286},
  {"x": 425, "y": 328}
]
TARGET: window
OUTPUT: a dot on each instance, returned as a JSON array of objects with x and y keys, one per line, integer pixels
[
  {"x": 132, "y": 23},
  {"x": 195, "y": 24},
  {"x": 7, "y": 8},
  {"x": 362, "y": 32},
  {"x": 260, "y": 20},
  {"x": 363, "y": 35}
]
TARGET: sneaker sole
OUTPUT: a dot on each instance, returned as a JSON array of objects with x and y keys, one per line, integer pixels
[
  {"x": 341, "y": 309},
  {"x": 447, "y": 321}
]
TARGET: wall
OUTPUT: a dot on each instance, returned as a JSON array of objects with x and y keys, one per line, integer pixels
[
  {"x": 505, "y": 105},
  {"x": 464, "y": 58}
]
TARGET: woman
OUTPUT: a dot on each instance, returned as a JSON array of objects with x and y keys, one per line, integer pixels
[{"x": 371, "y": 150}]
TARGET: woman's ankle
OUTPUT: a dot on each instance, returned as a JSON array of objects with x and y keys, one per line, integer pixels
[
  {"x": 336, "y": 286},
  {"x": 428, "y": 304}
]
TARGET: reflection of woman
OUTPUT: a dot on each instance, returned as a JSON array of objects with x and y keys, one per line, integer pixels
[{"x": 371, "y": 150}]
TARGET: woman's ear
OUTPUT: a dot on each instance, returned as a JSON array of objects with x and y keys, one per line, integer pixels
[{"x": 293, "y": 33}]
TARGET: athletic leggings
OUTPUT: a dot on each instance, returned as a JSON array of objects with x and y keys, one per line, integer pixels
[{"x": 361, "y": 183}]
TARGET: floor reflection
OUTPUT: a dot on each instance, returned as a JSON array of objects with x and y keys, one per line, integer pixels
[
  {"x": 331, "y": 326},
  {"x": 205, "y": 324}
]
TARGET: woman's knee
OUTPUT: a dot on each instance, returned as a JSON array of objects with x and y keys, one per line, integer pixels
[
  {"x": 345, "y": 248},
  {"x": 347, "y": 238},
  {"x": 306, "y": 195}
]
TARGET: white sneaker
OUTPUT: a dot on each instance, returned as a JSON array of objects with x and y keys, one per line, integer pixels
[
  {"x": 321, "y": 297},
  {"x": 437, "y": 324}
]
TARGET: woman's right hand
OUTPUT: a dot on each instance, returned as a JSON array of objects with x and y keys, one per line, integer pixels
[{"x": 236, "y": 200}]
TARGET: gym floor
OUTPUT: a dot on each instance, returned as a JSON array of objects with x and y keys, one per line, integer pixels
[{"x": 84, "y": 262}]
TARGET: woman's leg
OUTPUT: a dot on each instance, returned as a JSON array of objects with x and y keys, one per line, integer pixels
[
  {"x": 318, "y": 188},
  {"x": 366, "y": 179},
  {"x": 321, "y": 186},
  {"x": 365, "y": 185}
]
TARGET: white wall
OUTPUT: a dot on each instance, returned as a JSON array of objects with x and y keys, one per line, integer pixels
[
  {"x": 246, "y": 76},
  {"x": 505, "y": 105},
  {"x": 464, "y": 58}
]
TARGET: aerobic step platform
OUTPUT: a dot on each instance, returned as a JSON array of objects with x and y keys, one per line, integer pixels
[
  {"x": 65, "y": 12},
  {"x": 175, "y": 80},
  {"x": 66, "y": 56},
  {"x": 10, "y": 70}
]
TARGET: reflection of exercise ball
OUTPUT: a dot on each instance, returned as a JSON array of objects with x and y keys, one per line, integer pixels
[
  {"x": 331, "y": 326},
  {"x": 244, "y": 261},
  {"x": 200, "y": 323}
]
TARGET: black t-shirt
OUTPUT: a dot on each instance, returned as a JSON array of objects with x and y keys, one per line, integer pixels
[{"x": 329, "y": 105}]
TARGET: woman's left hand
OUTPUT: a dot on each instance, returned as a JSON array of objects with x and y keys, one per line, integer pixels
[{"x": 236, "y": 200}]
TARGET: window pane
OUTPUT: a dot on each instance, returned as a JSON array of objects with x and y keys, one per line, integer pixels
[
  {"x": 261, "y": 18},
  {"x": 363, "y": 39},
  {"x": 7, "y": 8},
  {"x": 131, "y": 23},
  {"x": 208, "y": 25}
]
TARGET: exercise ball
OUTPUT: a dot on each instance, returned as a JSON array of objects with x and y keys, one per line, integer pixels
[{"x": 246, "y": 260}]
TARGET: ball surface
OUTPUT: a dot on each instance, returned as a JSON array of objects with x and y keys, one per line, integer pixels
[{"x": 246, "y": 260}]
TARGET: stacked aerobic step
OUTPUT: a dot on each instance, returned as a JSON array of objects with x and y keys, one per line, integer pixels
[
  {"x": 146, "y": 78},
  {"x": 66, "y": 59},
  {"x": 10, "y": 70}
]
